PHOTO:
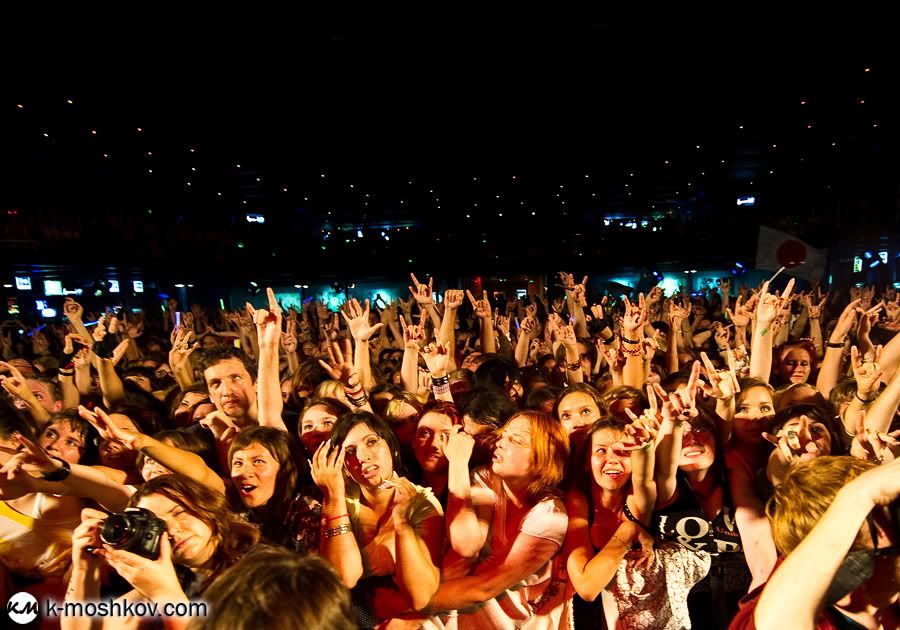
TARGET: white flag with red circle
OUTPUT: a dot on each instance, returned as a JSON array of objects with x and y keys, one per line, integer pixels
[{"x": 776, "y": 249}]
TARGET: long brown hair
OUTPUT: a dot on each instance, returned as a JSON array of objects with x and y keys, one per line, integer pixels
[{"x": 231, "y": 537}]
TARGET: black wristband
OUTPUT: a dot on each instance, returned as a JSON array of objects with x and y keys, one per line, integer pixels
[
  {"x": 866, "y": 402},
  {"x": 440, "y": 380},
  {"x": 611, "y": 339},
  {"x": 631, "y": 341},
  {"x": 59, "y": 474},
  {"x": 837, "y": 346}
]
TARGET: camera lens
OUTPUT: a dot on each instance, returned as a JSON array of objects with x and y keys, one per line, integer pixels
[{"x": 117, "y": 530}]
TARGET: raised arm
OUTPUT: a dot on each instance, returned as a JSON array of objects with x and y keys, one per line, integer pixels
[
  {"x": 452, "y": 301},
  {"x": 416, "y": 569},
  {"x": 337, "y": 544},
  {"x": 483, "y": 311},
  {"x": 465, "y": 531},
  {"x": 794, "y": 595},
  {"x": 358, "y": 322},
  {"x": 632, "y": 336},
  {"x": 830, "y": 371},
  {"x": 767, "y": 309},
  {"x": 268, "y": 385},
  {"x": 424, "y": 296}
]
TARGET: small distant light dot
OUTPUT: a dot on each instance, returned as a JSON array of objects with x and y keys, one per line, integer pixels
[
  {"x": 237, "y": 166},
  {"x": 149, "y": 170},
  {"x": 500, "y": 214},
  {"x": 723, "y": 161},
  {"x": 875, "y": 125},
  {"x": 46, "y": 135},
  {"x": 740, "y": 126},
  {"x": 867, "y": 69},
  {"x": 93, "y": 132},
  {"x": 803, "y": 102},
  {"x": 771, "y": 172},
  {"x": 351, "y": 185},
  {"x": 809, "y": 126},
  {"x": 193, "y": 168},
  {"x": 70, "y": 101},
  {"x": 20, "y": 106},
  {"x": 149, "y": 153},
  {"x": 468, "y": 216},
  {"x": 244, "y": 202},
  {"x": 862, "y": 101},
  {"x": 306, "y": 199},
  {"x": 219, "y": 194},
  {"x": 532, "y": 214},
  {"x": 774, "y": 146},
  {"x": 513, "y": 176},
  {"x": 139, "y": 130},
  {"x": 834, "y": 144},
  {"x": 106, "y": 155},
  {"x": 498, "y": 196},
  {"x": 667, "y": 161},
  {"x": 258, "y": 179},
  {"x": 189, "y": 183},
  {"x": 284, "y": 189},
  {"x": 193, "y": 150}
]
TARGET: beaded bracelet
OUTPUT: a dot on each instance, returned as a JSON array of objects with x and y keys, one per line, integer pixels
[
  {"x": 636, "y": 352},
  {"x": 337, "y": 531},
  {"x": 574, "y": 366}
]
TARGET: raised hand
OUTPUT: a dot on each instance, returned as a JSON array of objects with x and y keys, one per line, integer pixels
[
  {"x": 222, "y": 427},
  {"x": 119, "y": 351},
  {"x": 567, "y": 337},
  {"x": 846, "y": 321},
  {"x": 502, "y": 324},
  {"x": 481, "y": 307},
  {"x": 404, "y": 493},
  {"x": 437, "y": 358},
  {"x": 413, "y": 335},
  {"x": 73, "y": 310},
  {"x": 181, "y": 348},
  {"x": 529, "y": 327},
  {"x": 892, "y": 307},
  {"x": 422, "y": 293},
  {"x": 108, "y": 429},
  {"x": 723, "y": 384},
  {"x": 634, "y": 318},
  {"x": 289, "y": 338},
  {"x": 322, "y": 312},
  {"x": 643, "y": 430},
  {"x": 795, "y": 443},
  {"x": 357, "y": 320},
  {"x": 678, "y": 314},
  {"x": 328, "y": 469},
  {"x": 268, "y": 322},
  {"x": 867, "y": 373},
  {"x": 30, "y": 458},
  {"x": 740, "y": 316},
  {"x": 721, "y": 335},
  {"x": 814, "y": 310},
  {"x": 453, "y": 298},
  {"x": 681, "y": 405},
  {"x": 770, "y": 304},
  {"x": 340, "y": 364},
  {"x": 869, "y": 445},
  {"x": 458, "y": 445}
]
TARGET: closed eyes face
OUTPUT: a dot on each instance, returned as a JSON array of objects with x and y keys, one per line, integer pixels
[
  {"x": 191, "y": 538},
  {"x": 512, "y": 452},
  {"x": 795, "y": 365}
]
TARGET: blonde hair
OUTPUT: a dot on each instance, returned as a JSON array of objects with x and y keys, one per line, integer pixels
[
  {"x": 330, "y": 389},
  {"x": 806, "y": 492}
]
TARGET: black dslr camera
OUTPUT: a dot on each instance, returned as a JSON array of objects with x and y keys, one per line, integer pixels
[{"x": 136, "y": 530}]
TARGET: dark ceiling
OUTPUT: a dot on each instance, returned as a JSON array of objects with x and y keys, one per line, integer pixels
[{"x": 508, "y": 144}]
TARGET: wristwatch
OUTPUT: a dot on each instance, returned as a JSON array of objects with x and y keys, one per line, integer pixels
[{"x": 60, "y": 473}]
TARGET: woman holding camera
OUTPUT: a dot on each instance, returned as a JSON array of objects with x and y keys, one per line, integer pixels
[{"x": 197, "y": 532}]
